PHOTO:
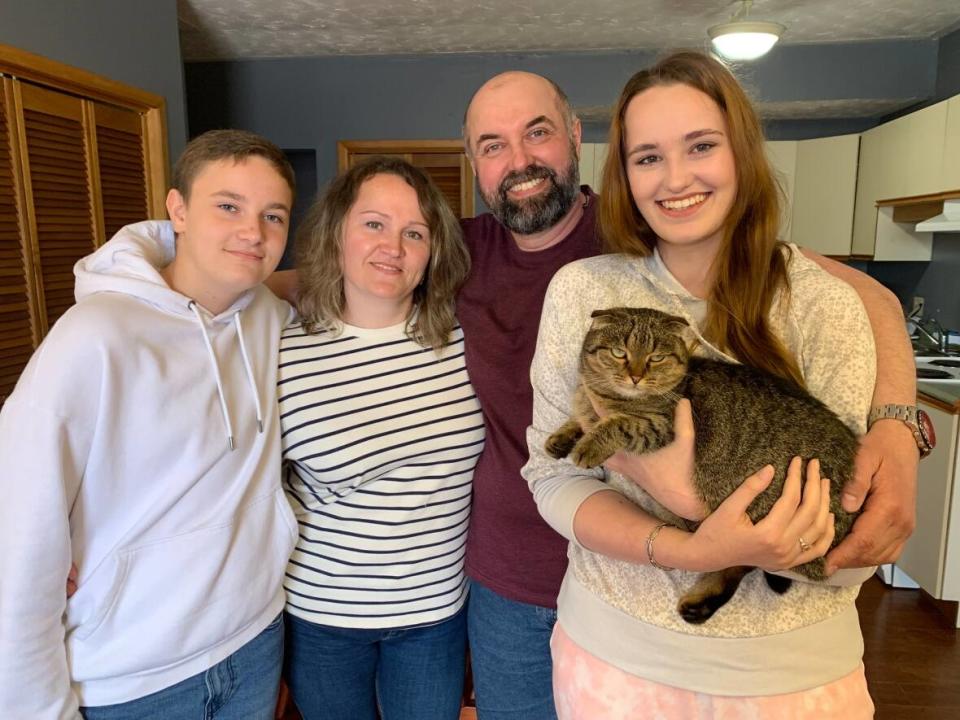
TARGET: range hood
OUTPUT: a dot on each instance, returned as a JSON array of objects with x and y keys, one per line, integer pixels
[{"x": 947, "y": 221}]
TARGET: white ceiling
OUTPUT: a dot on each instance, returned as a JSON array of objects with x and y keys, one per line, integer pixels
[{"x": 236, "y": 29}]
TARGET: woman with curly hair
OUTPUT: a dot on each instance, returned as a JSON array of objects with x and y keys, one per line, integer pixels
[{"x": 381, "y": 430}]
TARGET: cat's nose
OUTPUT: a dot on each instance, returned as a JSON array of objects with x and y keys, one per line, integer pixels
[{"x": 636, "y": 379}]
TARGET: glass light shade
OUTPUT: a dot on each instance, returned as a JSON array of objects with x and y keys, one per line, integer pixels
[{"x": 745, "y": 40}]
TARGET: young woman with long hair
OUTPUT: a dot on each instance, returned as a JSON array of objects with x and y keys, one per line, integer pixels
[{"x": 689, "y": 215}]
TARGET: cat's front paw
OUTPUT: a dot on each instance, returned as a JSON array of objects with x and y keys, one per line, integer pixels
[
  {"x": 559, "y": 445},
  {"x": 589, "y": 454}
]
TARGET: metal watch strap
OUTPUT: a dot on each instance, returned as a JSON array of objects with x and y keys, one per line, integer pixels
[{"x": 907, "y": 414}]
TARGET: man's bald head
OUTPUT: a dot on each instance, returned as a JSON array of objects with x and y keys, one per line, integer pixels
[
  {"x": 524, "y": 144},
  {"x": 516, "y": 81}
]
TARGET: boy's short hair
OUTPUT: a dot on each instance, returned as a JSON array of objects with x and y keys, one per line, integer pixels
[{"x": 236, "y": 145}]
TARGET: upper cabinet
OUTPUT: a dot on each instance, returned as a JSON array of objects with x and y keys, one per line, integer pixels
[
  {"x": 819, "y": 179},
  {"x": 906, "y": 157},
  {"x": 920, "y": 138},
  {"x": 782, "y": 155},
  {"x": 592, "y": 158},
  {"x": 870, "y": 188},
  {"x": 951, "y": 148},
  {"x": 824, "y": 193}
]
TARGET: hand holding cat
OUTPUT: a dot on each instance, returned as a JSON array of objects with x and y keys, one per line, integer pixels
[
  {"x": 727, "y": 537},
  {"x": 667, "y": 474},
  {"x": 886, "y": 475}
]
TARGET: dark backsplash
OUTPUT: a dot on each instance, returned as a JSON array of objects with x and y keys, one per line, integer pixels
[{"x": 937, "y": 281}]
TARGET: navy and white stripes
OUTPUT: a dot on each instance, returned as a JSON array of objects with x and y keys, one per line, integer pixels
[{"x": 380, "y": 438}]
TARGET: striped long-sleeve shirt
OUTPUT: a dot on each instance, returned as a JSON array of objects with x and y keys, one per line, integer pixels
[{"x": 380, "y": 438}]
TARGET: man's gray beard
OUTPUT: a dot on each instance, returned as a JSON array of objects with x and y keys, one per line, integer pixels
[{"x": 538, "y": 213}]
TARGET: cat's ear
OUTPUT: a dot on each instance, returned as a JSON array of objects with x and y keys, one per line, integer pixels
[
  {"x": 681, "y": 328},
  {"x": 605, "y": 317},
  {"x": 676, "y": 323},
  {"x": 606, "y": 312}
]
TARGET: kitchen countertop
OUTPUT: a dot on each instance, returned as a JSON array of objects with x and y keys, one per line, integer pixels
[{"x": 943, "y": 395}]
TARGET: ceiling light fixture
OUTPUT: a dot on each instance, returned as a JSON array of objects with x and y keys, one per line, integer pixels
[{"x": 743, "y": 39}]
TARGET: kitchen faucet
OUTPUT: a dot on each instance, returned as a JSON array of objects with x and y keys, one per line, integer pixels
[{"x": 938, "y": 336}]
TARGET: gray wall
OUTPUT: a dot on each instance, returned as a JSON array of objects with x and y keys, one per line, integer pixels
[
  {"x": 136, "y": 42},
  {"x": 948, "y": 66},
  {"x": 310, "y": 103},
  {"x": 935, "y": 281},
  {"x": 938, "y": 284},
  {"x": 313, "y": 102}
]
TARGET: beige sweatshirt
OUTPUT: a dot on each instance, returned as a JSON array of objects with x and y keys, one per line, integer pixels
[{"x": 759, "y": 643}]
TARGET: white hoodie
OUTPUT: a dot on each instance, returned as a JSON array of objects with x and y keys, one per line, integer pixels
[{"x": 114, "y": 454}]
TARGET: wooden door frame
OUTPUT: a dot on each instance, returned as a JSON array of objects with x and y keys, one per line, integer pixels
[
  {"x": 58, "y": 76},
  {"x": 346, "y": 148}
]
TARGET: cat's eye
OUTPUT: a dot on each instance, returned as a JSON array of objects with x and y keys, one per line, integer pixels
[
  {"x": 657, "y": 358},
  {"x": 618, "y": 353}
]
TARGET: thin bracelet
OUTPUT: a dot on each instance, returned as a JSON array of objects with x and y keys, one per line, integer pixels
[{"x": 650, "y": 538}]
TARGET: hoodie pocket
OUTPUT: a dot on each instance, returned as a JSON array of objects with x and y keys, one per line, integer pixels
[{"x": 176, "y": 598}]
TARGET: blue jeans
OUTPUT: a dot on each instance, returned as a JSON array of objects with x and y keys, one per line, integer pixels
[
  {"x": 241, "y": 687},
  {"x": 413, "y": 673},
  {"x": 510, "y": 656}
]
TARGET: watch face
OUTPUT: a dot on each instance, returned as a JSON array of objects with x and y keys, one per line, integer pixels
[{"x": 926, "y": 429}]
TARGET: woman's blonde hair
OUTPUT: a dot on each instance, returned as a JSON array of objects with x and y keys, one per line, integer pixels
[
  {"x": 319, "y": 254},
  {"x": 750, "y": 267}
]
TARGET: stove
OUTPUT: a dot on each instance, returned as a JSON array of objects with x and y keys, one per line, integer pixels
[{"x": 938, "y": 369}]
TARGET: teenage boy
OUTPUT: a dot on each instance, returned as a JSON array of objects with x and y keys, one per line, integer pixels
[{"x": 142, "y": 444}]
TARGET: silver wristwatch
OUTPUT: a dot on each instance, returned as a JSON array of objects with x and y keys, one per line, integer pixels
[{"x": 914, "y": 418}]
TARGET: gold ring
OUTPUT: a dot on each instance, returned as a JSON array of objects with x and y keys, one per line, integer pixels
[{"x": 804, "y": 545}]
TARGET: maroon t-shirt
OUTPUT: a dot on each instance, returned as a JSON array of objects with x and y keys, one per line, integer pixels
[{"x": 510, "y": 548}]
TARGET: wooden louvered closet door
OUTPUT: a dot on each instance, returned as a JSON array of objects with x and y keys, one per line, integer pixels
[
  {"x": 443, "y": 160},
  {"x": 18, "y": 324},
  {"x": 58, "y": 180},
  {"x": 80, "y": 157},
  {"x": 447, "y": 171},
  {"x": 123, "y": 184}
]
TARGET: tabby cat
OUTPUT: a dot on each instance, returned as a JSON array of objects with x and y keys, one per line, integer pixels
[{"x": 635, "y": 365}]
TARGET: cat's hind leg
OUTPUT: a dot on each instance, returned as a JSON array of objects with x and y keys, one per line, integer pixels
[
  {"x": 562, "y": 441},
  {"x": 710, "y": 593},
  {"x": 777, "y": 583}
]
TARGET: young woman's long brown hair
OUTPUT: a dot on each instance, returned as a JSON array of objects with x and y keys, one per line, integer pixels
[
  {"x": 750, "y": 268},
  {"x": 319, "y": 254}
]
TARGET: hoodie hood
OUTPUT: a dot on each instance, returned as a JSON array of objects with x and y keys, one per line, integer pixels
[
  {"x": 130, "y": 263},
  {"x": 682, "y": 302}
]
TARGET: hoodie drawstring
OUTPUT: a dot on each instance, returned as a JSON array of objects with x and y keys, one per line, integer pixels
[
  {"x": 246, "y": 364},
  {"x": 216, "y": 372}
]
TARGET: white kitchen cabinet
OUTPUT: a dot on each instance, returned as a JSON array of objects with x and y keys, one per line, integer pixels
[
  {"x": 923, "y": 134},
  {"x": 870, "y": 188},
  {"x": 783, "y": 157},
  {"x": 912, "y": 153},
  {"x": 901, "y": 158},
  {"x": 592, "y": 158},
  {"x": 932, "y": 554},
  {"x": 950, "y": 172},
  {"x": 587, "y": 154},
  {"x": 599, "y": 160},
  {"x": 824, "y": 193}
]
